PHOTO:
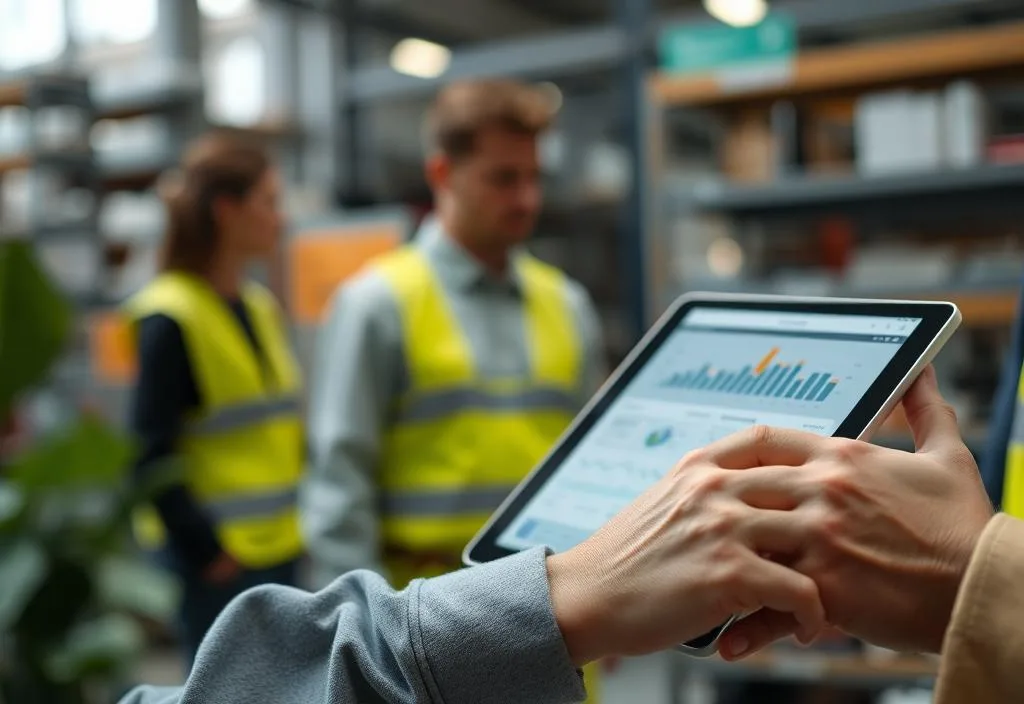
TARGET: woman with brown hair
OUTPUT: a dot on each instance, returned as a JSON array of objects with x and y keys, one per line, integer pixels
[{"x": 218, "y": 389}]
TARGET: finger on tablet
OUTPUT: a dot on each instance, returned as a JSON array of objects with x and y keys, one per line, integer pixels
[
  {"x": 762, "y": 445},
  {"x": 755, "y": 632},
  {"x": 766, "y": 584},
  {"x": 932, "y": 420}
]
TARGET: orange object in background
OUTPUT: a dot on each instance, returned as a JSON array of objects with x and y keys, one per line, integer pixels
[
  {"x": 322, "y": 259},
  {"x": 112, "y": 349}
]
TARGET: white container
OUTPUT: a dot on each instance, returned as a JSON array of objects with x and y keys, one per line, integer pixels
[{"x": 965, "y": 128}]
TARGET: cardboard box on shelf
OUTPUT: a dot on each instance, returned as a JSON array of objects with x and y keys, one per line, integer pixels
[{"x": 749, "y": 149}]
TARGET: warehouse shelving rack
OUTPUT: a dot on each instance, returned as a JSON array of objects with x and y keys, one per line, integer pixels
[{"x": 988, "y": 55}]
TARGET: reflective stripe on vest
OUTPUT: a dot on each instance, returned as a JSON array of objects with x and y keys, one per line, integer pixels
[
  {"x": 243, "y": 449},
  {"x": 240, "y": 415},
  {"x": 444, "y": 503},
  {"x": 1013, "y": 481},
  {"x": 258, "y": 506},
  {"x": 435, "y": 405},
  {"x": 459, "y": 442}
]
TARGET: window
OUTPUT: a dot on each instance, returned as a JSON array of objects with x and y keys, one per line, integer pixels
[
  {"x": 236, "y": 82},
  {"x": 31, "y": 32},
  {"x": 112, "y": 21},
  {"x": 224, "y": 9}
]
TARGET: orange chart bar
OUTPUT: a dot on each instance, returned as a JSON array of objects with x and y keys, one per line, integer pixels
[{"x": 763, "y": 364}]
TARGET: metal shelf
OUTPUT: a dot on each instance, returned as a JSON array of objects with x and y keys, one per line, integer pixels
[
  {"x": 146, "y": 103},
  {"x": 45, "y": 90},
  {"x": 133, "y": 174},
  {"x": 829, "y": 193},
  {"x": 990, "y": 303},
  {"x": 61, "y": 231},
  {"x": 70, "y": 161}
]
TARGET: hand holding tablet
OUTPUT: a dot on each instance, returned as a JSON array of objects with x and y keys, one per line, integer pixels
[{"x": 714, "y": 365}]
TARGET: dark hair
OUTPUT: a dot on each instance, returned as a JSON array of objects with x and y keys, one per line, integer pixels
[
  {"x": 213, "y": 167},
  {"x": 464, "y": 108}
]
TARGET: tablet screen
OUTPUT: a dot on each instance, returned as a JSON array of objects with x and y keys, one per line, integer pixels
[{"x": 720, "y": 370}]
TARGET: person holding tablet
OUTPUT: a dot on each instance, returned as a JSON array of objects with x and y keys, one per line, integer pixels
[{"x": 899, "y": 548}]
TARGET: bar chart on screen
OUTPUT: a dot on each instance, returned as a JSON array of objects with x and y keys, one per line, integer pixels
[{"x": 767, "y": 377}]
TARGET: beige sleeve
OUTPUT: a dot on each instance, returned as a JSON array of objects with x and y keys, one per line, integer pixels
[{"x": 983, "y": 654}]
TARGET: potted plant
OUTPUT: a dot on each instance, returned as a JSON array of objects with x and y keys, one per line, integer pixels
[{"x": 72, "y": 590}]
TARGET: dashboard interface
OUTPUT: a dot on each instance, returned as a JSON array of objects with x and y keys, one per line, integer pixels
[{"x": 721, "y": 370}]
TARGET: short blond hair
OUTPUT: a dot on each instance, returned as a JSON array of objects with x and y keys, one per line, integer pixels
[{"x": 464, "y": 108}]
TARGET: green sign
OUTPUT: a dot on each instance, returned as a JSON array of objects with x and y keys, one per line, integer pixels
[{"x": 701, "y": 48}]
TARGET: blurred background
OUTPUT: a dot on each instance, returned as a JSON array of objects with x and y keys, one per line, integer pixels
[{"x": 820, "y": 147}]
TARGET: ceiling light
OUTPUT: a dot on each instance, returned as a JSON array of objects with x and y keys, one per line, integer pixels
[
  {"x": 223, "y": 9},
  {"x": 420, "y": 58},
  {"x": 738, "y": 13}
]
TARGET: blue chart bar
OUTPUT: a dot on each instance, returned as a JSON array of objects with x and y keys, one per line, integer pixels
[
  {"x": 816, "y": 389},
  {"x": 741, "y": 378},
  {"x": 828, "y": 389},
  {"x": 716, "y": 383},
  {"x": 784, "y": 381},
  {"x": 766, "y": 379},
  {"x": 789, "y": 380},
  {"x": 755, "y": 388},
  {"x": 747, "y": 385},
  {"x": 780, "y": 380},
  {"x": 802, "y": 393}
]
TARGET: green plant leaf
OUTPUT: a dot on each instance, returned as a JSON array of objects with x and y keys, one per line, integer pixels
[
  {"x": 12, "y": 507},
  {"x": 126, "y": 584},
  {"x": 23, "y": 567},
  {"x": 101, "y": 646},
  {"x": 88, "y": 454},
  {"x": 63, "y": 598},
  {"x": 34, "y": 321}
]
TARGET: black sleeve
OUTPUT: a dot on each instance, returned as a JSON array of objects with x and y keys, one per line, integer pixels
[{"x": 165, "y": 391}]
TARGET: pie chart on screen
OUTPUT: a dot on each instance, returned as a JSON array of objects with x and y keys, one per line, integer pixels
[{"x": 657, "y": 438}]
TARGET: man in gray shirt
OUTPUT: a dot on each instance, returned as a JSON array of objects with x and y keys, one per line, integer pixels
[
  {"x": 894, "y": 547},
  {"x": 446, "y": 371}
]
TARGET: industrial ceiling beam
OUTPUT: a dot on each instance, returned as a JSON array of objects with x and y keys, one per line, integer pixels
[
  {"x": 599, "y": 47},
  {"x": 552, "y": 55},
  {"x": 386, "y": 19}
]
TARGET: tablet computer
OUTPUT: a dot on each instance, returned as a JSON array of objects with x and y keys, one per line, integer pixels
[{"x": 713, "y": 365}]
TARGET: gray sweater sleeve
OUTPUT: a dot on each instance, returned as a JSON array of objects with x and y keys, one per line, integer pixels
[{"x": 481, "y": 635}]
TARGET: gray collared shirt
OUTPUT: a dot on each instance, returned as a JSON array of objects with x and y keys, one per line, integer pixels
[{"x": 359, "y": 370}]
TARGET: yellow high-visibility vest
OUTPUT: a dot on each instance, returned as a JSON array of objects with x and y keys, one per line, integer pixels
[
  {"x": 243, "y": 448},
  {"x": 1013, "y": 478},
  {"x": 459, "y": 442}
]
